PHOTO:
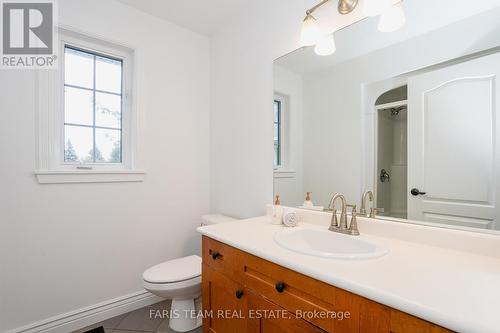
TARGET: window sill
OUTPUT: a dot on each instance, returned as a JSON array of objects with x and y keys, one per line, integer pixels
[
  {"x": 284, "y": 173},
  {"x": 86, "y": 176}
]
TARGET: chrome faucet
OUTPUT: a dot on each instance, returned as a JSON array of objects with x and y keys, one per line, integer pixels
[
  {"x": 368, "y": 194},
  {"x": 343, "y": 215},
  {"x": 373, "y": 211},
  {"x": 341, "y": 226}
]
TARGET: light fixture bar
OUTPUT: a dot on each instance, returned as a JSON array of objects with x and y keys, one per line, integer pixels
[
  {"x": 312, "y": 9},
  {"x": 392, "y": 18},
  {"x": 344, "y": 6}
]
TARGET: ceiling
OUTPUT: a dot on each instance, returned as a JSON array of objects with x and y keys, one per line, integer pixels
[
  {"x": 201, "y": 16},
  {"x": 208, "y": 16}
]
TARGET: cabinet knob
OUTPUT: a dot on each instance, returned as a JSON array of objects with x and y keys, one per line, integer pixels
[
  {"x": 280, "y": 286},
  {"x": 216, "y": 255},
  {"x": 239, "y": 293}
]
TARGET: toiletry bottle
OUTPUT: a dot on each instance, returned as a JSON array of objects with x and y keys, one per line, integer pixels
[
  {"x": 308, "y": 203},
  {"x": 277, "y": 211}
]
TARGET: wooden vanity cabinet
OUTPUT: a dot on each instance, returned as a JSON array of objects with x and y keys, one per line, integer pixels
[
  {"x": 244, "y": 293},
  {"x": 282, "y": 321},
  {"x": 234, "y": 308},
  {"x": 224, "y": 303}
]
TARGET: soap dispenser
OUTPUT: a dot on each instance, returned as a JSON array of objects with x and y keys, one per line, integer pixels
[
  {"x": 277, "y": 211},
  {"x": 308, "y": 202}
]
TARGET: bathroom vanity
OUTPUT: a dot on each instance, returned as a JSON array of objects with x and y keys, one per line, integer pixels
[
  {"x": 237, "y": 282},
  {"x": 252, "y": 284}
]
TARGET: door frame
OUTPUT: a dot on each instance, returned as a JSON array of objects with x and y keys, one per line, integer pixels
[
  {"x": 376, "y": 168},
  {"x": 369, "y": 125}
]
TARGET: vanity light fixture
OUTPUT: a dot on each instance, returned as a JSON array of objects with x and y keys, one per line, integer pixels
[
  {"x": 325, "y": 46},
  {"x": 310, "y": 31},
  {"x": 392, "y": 18},
  {"x": 376, "y": 7},
  {"x": 347, "y": 6}
]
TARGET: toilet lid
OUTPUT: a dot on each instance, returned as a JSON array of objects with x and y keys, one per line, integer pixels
[{"x": 175, "y": 270}]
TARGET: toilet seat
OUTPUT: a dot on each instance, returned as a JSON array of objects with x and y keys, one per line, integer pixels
[
  {"x": 190, "y": 286},
  {"x": 176, "y": 271},
  {"x": 175, "y": 279}
]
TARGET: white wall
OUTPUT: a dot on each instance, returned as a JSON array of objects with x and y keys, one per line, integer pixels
[
  {"x": 64, "y": 247},
  {"x": 289, "y": 184},
  {"x": 241, "y": 95}
]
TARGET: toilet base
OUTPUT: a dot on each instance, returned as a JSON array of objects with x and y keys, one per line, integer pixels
[{"x": 185, "y": 314}]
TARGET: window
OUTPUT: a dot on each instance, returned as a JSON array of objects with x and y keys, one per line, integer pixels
[
  {"x": 92, "y": 107},
  {"x": 87, "y": 126},
  {"x": 277, "y": 134},
  {"x": 282, "y": 142}
]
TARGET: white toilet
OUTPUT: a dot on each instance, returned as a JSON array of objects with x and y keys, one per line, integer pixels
[{"x": 180, "y": 280}]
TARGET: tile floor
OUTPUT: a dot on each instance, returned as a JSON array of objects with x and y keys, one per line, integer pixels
[{"x": 137, "y": 321}]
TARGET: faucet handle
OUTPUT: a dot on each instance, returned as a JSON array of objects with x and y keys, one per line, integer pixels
[
  {"x": 334, "y": 224},
  {"x": 353, "y": 226},
  {"x": 374, "y": 211}
]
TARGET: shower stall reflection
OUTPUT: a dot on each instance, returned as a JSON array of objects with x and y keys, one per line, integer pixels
[{"x": 391, "y": 177}]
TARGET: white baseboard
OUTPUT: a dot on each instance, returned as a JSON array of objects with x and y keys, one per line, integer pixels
[{"x": 84, "y": 317}]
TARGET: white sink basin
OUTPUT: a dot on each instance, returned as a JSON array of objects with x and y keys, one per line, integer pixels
[{"x": 327, "y": 244}]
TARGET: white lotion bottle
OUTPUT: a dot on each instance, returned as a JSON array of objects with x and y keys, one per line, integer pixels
[{"x": 277, "y": 215}]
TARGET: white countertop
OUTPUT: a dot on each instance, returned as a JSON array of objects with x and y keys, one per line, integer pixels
[{"x": 456, "y": 289}]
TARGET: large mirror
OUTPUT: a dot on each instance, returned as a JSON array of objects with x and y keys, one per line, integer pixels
[{"x": 414, "y": 118}]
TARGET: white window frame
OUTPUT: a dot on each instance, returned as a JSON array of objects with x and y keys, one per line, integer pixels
[
  {"x": 284, "y": 170},
  {"x": 281, "y": 102},
  {"x": 283, "y": 130},
  {"x": 51, "y": 167}
]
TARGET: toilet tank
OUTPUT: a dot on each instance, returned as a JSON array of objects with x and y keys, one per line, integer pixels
[{"x": 215, "y": 219}]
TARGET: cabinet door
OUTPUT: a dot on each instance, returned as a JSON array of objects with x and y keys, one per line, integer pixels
[
  {"x": 404, "y": 323},
  {"x": 224, "y": 303},
  {"x": 288, "y": 289},
  {"x": 220, "y": 257},
  {"x": 267, "y": 317},
  {"x": 364, "y": 315}
]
